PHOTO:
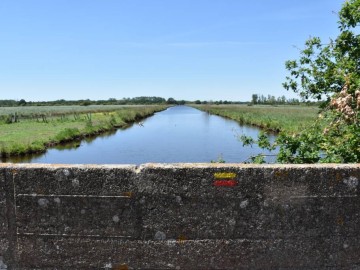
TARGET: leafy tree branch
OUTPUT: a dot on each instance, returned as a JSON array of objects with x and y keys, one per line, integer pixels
[{"x": 332, "y": 71}]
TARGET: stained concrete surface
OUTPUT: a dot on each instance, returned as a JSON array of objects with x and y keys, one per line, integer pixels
[{"x": 174, "y": 216}]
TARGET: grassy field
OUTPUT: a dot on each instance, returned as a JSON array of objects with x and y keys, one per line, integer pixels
[
  {"x": 33, "y": 129},
  {"x": 288, "y": 118},
  {"x": 33, "y": 111}
]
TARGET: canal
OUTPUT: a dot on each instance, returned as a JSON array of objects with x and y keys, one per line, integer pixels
[{"x": 178, "y": 134}]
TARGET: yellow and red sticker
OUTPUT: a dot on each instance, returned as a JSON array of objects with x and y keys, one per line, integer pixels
[{"x": 225, "y": 179}]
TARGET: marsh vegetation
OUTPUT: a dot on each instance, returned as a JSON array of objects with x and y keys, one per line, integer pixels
[
  {"x": 26, "y": 130},
  {"x": 289, "y": 118}
]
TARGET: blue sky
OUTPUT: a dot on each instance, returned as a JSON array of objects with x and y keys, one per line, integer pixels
[{"x": 185, "y": 49}]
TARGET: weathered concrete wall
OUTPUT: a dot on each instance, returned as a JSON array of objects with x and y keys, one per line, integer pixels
[{"x": 185, "y": 216}]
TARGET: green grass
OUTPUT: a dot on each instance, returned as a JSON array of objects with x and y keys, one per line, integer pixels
[
  {"x": 33, "y": 134},
  {"x": 287, "y": 118}
]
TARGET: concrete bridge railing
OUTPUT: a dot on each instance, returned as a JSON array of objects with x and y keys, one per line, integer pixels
[{"x": 179, "y": 216}]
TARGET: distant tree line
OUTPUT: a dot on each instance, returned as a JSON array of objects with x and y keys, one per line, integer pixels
[
  {"x": 144, "y": 100},
  {"x": 86, "y": 102},
  {"x": 272, "y": 100},
  {"x": 111, "y": 101},
  {"x": 218, "y": 102}
]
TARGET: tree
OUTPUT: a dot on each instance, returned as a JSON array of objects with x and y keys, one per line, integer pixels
[
  {"x": 325, "y": 69},
  {"x": 22, "y": 102},
  {"x": 254, "y": 99},
  {"x": 330, "y": 70},
  {"x": 171, "y": 101},
  {"x": 181, "y": 102}
]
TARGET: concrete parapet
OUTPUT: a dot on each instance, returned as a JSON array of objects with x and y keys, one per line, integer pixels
[{"x": 179, "y": 216}]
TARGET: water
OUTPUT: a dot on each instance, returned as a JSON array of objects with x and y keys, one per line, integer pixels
[{"x": 178, "y": 134}]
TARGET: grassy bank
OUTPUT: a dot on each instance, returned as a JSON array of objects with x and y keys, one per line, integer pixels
[
  {"x": 288, "y": 118},
  {"x": 29, "y": 130}
]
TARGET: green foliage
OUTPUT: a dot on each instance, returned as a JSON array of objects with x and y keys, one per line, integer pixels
[
  {"x": 259, "y": 159},
  {"x": 18, "y": 149},
  {"x": 67, "y": 134},
  {"x": 85, "y": 103},
  {"x": 331, "y": 70},
  {"x": 8, "y": 119},
  {"x": 22, "y": 102},
  {"x": 89, "y": 124},
  {"x": 336, "y": 143},
  {"x": 254, "y": 98},
  {"x": 171, "y": 101},
  {"x": 272, "y": 100},
  {"x": 220, "y": 159},
  {"x": 112, "y": 120},
  {"x": 324, "y": 69},
  {"x": 11, "y": 118},
  {"x": 349, "y": 15}
]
